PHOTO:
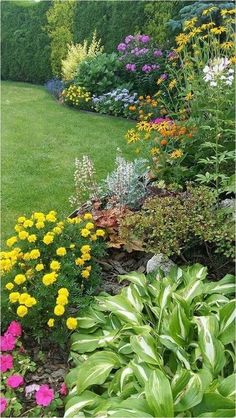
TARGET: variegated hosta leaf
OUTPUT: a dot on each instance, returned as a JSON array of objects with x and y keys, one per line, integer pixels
[
  {"x": 192, "y": 290},
  {"x": 225, "y": 286},
  {"x": 216, "y": 300},
  {"x": 162, "y": 301},
  {"x": 146, "y": 349},
  {"x": 96, "y": 369},
  {"x": 133, "y": 297},
  {"x": 83, "y": 343},
  {"x": 179, "y": 325},
  {"x": 158, "y": 394},
  {"x": 190, "y": 395},
  {"x": 170, "y": 343},
  {"x": 121, "y": 307},
  {"x": 91, "y": 318},
  {"x": 220, "y": 413},
  {"x": 227, "y": 322},
  {"x": 131, "y": 407},
  {"x": 141, "y": 371},
  {"x": 227, "y": 386},
  {"x": 194, "y": 273},
  {"x": 136, "y": 278},
  {"x": 212, "y": 349},
  {"x": 119, "y": 380},
  {"x": 212, "y": 402},
  {"x": 75, "y": 404}
]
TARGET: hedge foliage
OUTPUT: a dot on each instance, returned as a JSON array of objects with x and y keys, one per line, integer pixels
[{"x": 25, "y": 45}]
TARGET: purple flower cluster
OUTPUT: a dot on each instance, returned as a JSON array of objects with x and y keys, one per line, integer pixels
[
  {"x": 136, "y": 51},
  {"x": 157, "y": 53},
  {"x": 130, "y": 67},
  {"x": 144, "y": 39},
  {"x": 148, "y": 68}
]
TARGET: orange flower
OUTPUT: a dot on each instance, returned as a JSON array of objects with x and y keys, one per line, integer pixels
[{"x": 163, "y": 142}]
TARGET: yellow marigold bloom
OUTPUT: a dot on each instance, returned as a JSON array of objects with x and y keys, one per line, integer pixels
[
  {"x": 39, "y": 216},
  {"x": 84, "y": 232},
  {"x": 85, "y": 249},
  {"x": 49, "y": 278},
  {"x": 20, "y": 279},
  {"x": 32, "y": 238},
  {"x": 40, "y": 225},
  {"x": 11, "y": 241},
  {"x": 59, "y": 310},
  {"x": 71, "y": 323},
  {"x": 218, "y": 31},
  {"x": 55, "y": 265},
  {"x": 48, "y": 239},
  {"x": 34, "y": 254},
  {"x": 23, "y": 235},
  {"x": 208, "y": 11},
  {"x": 85, "y": 274},
  {"x": 26, "y": 256},
  {"x": 86, "y": 257},
  {"x": 94, "y": 237},
  {"x": 14, "y": 297},
  {"x": 155, "y": 151},
  {"x": 57, "y": 230},
  {"x": 28, "y": 223},
  {"x": 189, "y": 96},
  {"x": 21, "y": 219},
  {"x": 61, "y": 251},
  {"x": 172, "y": 84},
  {"x": 89, "y": 226},
  {"x": 88, "y": 216},
  {"x": 62, "y": 300},
  {"x": 9, "y": 286},
  {"x": 39, "y": 267},
  {"x": 63, "y": 291},
  {"x": 72, "y": 246},
  {"x": 22, "y": 311},
  {"x": 23, "y": 297},
  {"x": 30, "y": 301},
  {"x": 18, "y": 228},
  {"x": 51, "y": 322},
  {"x": 88, "y": 268},
  {"x": 100, "y": 233},
  {"x": 79, "y": 261},
  {"x": 176, "y": 154},
  {"x": 50, "y": 218}
]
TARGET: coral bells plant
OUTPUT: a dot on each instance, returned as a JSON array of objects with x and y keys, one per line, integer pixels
[{"x": 49, "y": 269}]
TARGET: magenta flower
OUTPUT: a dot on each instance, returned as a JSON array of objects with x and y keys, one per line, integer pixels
[
  {"x": 130, "y": 67},
  {"x": 7, "y": 342},
  {"x": 15, "y": 381},
  {"x": 146, "y": 68},
  {"x": 121, "y": 47},
  {"x": 63, "y": 389},
  {"x": 44, "y": 395},
  {"x": 6, "y": 362},
  {"x": 3, "y": 405},
  {"x": 128, "y": 39},
  {"x": 157, "y": 53},
  {"x": 15, "y": 329},
  {"x": 160, "y": 120},
  {"x": 144, "y": 38}
]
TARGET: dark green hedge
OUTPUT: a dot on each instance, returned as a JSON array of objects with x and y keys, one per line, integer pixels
[{"x": 25, "y": 46}]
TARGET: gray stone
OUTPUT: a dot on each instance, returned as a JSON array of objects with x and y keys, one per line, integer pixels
[{"x": 160, "y": 261}]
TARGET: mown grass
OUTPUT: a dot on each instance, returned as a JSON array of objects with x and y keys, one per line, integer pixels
[{"x": 40, "y": 141}]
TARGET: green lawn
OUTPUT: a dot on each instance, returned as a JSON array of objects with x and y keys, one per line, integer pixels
[{"x": 40, "y": 141}]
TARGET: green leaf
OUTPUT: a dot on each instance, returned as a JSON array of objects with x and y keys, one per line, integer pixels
[
  {"x": 190, "y": 395},
  {"x": 96, "y": 369},
  {"x": 158, "y": 394},
  {"x": 92, "y": 317},
  {"x": 141, "y": 371},
  {"x": 170, "y": 343},
  {"x": 179, "y": 325},
  {"x": 136, "y": 278},
  {"x": 227, "y": 322},
  {"x": 75, "y": 404},
  {"x": 224, "y": 286},
  {"x": 212, "y": 402},
  {"x": 220, "y": 413},
  {"x": 192, "y": 290},
  {"x": 227, "y": 387},
  {"x": 87, "y": 343},
  {"x": 145, "y": 347},
  {"x": 133, "y": 297},
  {"x": 121, "y": 307}
]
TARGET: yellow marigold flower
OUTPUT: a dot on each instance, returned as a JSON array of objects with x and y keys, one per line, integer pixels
[
  {"x": 85, "y": 274},
  {"x": 55, "y": 265},
  {"x": 21, "y": 219},
  {"x": 61, "y": 251},
  {"x": 23, "y": 297},
  {"x": 40, "y": 225},
  {"x": 63, "y": 291},
  {"x": 32, "y": 238},
  {"x": 51, "y": 322},
  {"x": 62, "y": 300},
  {"x": 189, "y": 96},
  {"x": 11, "y": 241},
  {"x": 28, "y": 223},
  {"x": 9, "y": 286},
  {"x": 85, "y": 249},
  {"x": 59, "y": 310},
  {"x": 79, "y": 261},
  {"x": 22, "y": 311},
  {"x": 89, "y": 226},
  {"x": 172, "y": 84},
  {"x": 84, "y": 232},
  {"x": 20, "y": 279},
  {"x": 208, "y": 11},
  {"x": 34, "y": 254},
  {"x": 50, "y": 217},
  {"x": 72, "y": 246},
  {"x": 86, "y": 257},
  {"x": 39, "y": 267},
  {"x": 26, "y": 256},
  {"x": 94, "y": 237},
  {"x": 39, "y": 216},
  {"x": 100, "y": 233},
  {"x": 14, "y": 297},
  {"x": 88, "y": 216},
  {"x": 49, "y": 278},
  {"x": 30, "y": 301},
  {"x": 71, "y": 323},
  {"x": 23, "y": 235},
  {"x": 176, "y": 154},
  {"x": 18, "y": 228},
  {"x": 48, "y": 239},
  {"x": 88, "y": 268},
  {"x": 57, "y": 230}
]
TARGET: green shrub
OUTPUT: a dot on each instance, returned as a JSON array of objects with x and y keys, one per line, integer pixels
[
  {"x": 174, "y": 223},
  {"x": 100, "y": 74},
  {"x": 163, "y": 347}
]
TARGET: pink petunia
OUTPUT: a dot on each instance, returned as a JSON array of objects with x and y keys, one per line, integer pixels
[
  {"x": 15, "y": 329},
  {"x": 6, "y": 362},
  {"x": 7, "y": 342},
  {"x": 15, "y": 381},
  {"x": 44, "y": 395},
  {"x": 3, "y": 405},
  {"x": 63, "y": 389}
]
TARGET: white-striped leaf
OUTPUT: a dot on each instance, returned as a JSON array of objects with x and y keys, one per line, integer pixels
[
  {"x": 179, "y": 325},
  {"x": 88, "y": 343},
  {"x": 172, "y": 345},
  {"x": 92, "y": 318},
  {"x": 145, "y": 348},
  {"x": 190, "y": 395},
  {"x": 77, "y": 403},
  {"x": 158, "y": 394},
  {"x": 224, "y": 286},
  {"x": 192, "y": 290},
  {"x": 121, "y": 307},
  {"x": 227, "y": 386},
  {"x": 227, "y": 322},
  {"x": 141, "y": 371},
  {"x": 133, "y": 297},
  {"x": 136, "y": 278}
]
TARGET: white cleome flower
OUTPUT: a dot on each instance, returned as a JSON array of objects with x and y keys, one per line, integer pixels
[{"x": 217, "y": 71}]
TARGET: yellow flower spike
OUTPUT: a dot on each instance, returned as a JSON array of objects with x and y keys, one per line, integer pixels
[
  {"x": 51, "y": 322},
  {"x": 22, "y": 311},
  {"x": 59, "y": 310},
  {"x": 71, "y": 323}
]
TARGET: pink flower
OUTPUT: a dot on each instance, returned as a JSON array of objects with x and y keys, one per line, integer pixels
[
  {"x": 44, "y": 395},
  {"x": 6, "y": 362},
  {"x": 7, "y": 342},
  {"x": 63, "y": 389},
  {"x": 14, "y": 381},
  {"x": 3, "y": 404},
  {"x": 15, "y": 329}
]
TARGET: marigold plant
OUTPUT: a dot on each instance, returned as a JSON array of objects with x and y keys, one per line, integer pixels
[
  {"x": 49, "y": 269},
  {"x": 77, "y": 96}
]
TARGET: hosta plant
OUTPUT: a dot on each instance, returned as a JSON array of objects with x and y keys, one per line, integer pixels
[{"x": 163, "y": 347}]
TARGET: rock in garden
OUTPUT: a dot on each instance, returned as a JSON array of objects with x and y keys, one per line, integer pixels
[{"x": 160, "y": 261}]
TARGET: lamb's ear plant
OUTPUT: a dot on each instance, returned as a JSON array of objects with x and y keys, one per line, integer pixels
[{"x": 163, "y": 347}]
